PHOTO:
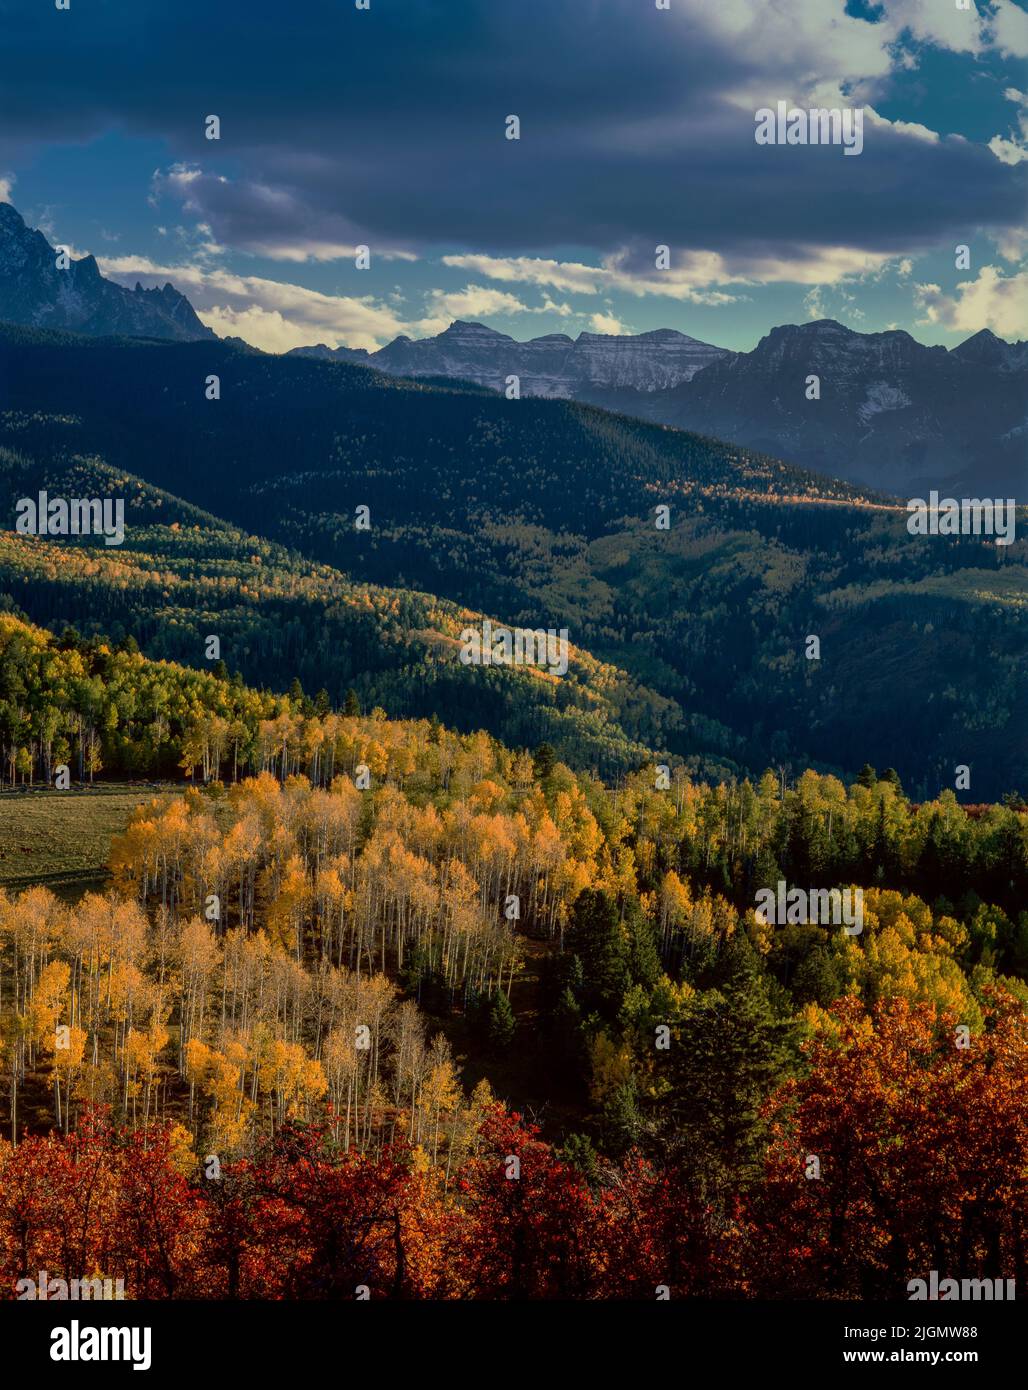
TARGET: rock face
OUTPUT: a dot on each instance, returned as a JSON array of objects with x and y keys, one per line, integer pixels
[
  {"x": 554, "y": 365},
  {"x": 891, "y": 412},
  {"x": 35, "y": 292}
]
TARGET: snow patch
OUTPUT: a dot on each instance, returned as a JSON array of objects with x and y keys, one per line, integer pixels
[{"x": 881, "y": 397}]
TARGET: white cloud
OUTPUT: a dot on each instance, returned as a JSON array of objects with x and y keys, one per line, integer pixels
[
  {"x": 1012, "y": 243},
  {"x": 472, "y": 302},
  {"x": 788, "y": 44},
  {"x": 941, "y": 25},
  {"x": 910, "y": 128},
  {"x": 7, "y": 182},
  {"x": 476, "y": 302},
  {"x": 299, "y": 252},
  {"x": 530, "y": 270},
  {"x": 1015, "y": 149},
  {"x": 563, "y": 310},
  {"x": 607, "y": 323},
  {"x": 275, "y": 315},
  {"x": 1008, "y": 151},
  {"x": 263, "y": 328},
  {"x": 256, "y": 217},
  {"x": 993, "y": 300},
  {"x": 1009, "y": 29},
  {"x": 270, "y": 314},
  {"x": 691, "y": 277},
  {"x": 813, "y": 52}
]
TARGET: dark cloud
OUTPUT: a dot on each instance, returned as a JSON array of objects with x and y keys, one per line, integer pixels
[{"x": 387, "y": 125}]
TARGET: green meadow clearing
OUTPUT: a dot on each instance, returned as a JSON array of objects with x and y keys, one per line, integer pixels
[{"x": 63, "y": 839}]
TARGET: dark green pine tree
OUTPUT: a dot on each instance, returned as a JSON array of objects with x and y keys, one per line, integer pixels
[
  {"x": 502, "y": 1023},
  {"x": 641, "y": 945},
  {"x": 733, "y": 1052},
  {"x": 351, "y": 705},
  {"x": 569, "y": 1056},
  {"x": 620, "y": 1119},
  {"x": 544, "y": 760},
  {"x": 579, "y": 1151},
  {"x": 596, "y": 937},
  {"x": 878, "y": 849},
  {"x": 820, "y": 977}
]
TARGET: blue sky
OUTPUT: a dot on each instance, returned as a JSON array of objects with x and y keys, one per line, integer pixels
[{"x": 386, "y": 127}]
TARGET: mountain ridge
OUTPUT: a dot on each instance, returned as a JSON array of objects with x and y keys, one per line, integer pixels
[
  {"x": 553, "y": 365},
  {"x": 890, "y": 412},
  {"x": 35, "y": 292}
]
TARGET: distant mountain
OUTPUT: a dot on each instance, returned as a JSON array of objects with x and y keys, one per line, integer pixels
[
  {"x": 33, "y": 291},
  {"x": 892, "y": 413},
  {"x": 554, "y": 365}
]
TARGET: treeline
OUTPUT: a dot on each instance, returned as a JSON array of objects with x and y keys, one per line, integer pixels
[
  {"x": 101, "y": 707},
  {"x": 270, "y": 908},
  {"x": 738, "y": 837},
  {"x": 289, "y": 964}
]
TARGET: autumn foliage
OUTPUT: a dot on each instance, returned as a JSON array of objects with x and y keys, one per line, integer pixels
[
  {"x": 924, "y": 1161},
  {"x": 269, "y": 1054}
]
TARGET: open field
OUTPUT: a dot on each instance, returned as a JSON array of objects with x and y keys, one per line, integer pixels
[{"x": 62, "y": 839}]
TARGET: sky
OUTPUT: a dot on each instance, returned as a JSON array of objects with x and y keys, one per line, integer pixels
[{"x": 386, "y": 127}]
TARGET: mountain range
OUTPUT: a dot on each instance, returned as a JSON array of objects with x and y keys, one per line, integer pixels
[
  {"x": 553, "y": 365},
  {"x": 887, "y": 412},
  {"x": 891, "y": 413}
]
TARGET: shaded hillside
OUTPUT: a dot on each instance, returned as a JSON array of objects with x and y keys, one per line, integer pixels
[
  {"x": 543, "y": 513},
  {"x": 183, "y": 575}
]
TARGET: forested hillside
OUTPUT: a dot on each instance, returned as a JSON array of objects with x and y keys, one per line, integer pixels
[
  {"x": 387, "y": 922},
  {"x": 544, "y": 514},
  {"x": 322, "y": 961},
  {"x": 513, "y": 682},
  {"x": 291, "y": 625}
]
